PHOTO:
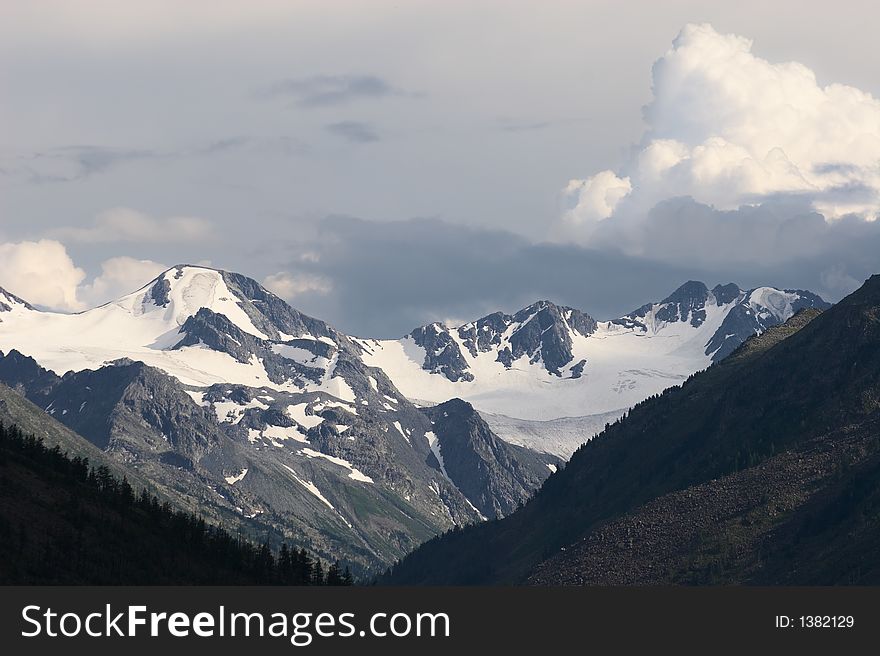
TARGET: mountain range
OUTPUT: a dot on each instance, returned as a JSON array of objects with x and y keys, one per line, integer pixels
[
  {"x": 762, "y": 469},
  {"x": 549, "y": 377},
  {"x": 218, "y": 396}
]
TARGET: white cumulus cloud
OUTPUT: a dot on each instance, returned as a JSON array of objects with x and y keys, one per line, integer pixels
[
  {"x": 289, "y": 286},
  {"x": 597, "y": 196},
  {"x": 119, "y": 276},
  {"x": 42, "y": 273},
  {"x": 729, "y": 128}
]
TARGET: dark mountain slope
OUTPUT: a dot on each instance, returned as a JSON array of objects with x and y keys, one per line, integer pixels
[
  {"x": 495, "y": 476},
  {"x": 142, "y": 420},
  {"x": 64, "y": 522},
  {"x": 145, "y": 422},
  {"x": 806, "y": 516},
  {"x": 15, "y": 409},
  {"x": 735, "y": 415},
  {"x": 233, "y": 403}
]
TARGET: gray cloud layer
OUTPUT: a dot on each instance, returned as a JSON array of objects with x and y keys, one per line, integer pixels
[
  {"x": 325, "y": 90},
  {"x": 156, "y": 111},
  {"x": 388, "y": 278},
  {"x": 75, "y": 163},
  {"x": 353, "y": 131}
]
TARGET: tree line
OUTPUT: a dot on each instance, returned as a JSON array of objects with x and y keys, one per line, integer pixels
[{"x": 65, "y": 521}]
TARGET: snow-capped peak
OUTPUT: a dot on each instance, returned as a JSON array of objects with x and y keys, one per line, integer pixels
[
  {"x": 543, "y": 332},
  {"x": 547, "y": 361},
  {"x": 686, "y": 304},
  {"x": 10, "y": 302},
  {"x": 180, "y": 292},
  {"x": 774, "y": 302},
  {"x": 201, "y": 325}
]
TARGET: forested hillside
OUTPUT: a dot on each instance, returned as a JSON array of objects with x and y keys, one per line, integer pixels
[{"x": 65, "y": 522}]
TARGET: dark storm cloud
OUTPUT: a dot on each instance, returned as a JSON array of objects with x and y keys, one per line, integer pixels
[
  {"x": 325, "y": 90},
  {"x": 353, "y": 131},
  {"x": 784, "y": 233},
  {"x": 781, "y": 242},
  {"x": 389, "y": 277}
]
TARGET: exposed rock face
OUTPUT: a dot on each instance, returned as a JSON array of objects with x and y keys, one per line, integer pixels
[
  {"x": 222, "y": 396},
  {"x": 33, "y": 420},
  {"x": 274, "y": 316},
  {"x": 750, "y": 312},
  {"x": 442, "y": 353},
  {"x": 23, "y": 373},
  {"x": 687, "y": 303},
  {"x": 9, "y": 301},
  {"x": 751, "y": 317},
  {"x": 496, "y": 477},
  {"x": 542, "y": 332},
  {"x": 764, "y": 468},
  {"x": 356, "y": 480},
  {"x": 159, "y": 292}
]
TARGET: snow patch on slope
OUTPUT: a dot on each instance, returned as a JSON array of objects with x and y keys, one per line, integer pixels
[
  {"x": 232, "y": 480},
  {"x": 434, "y": 443},
  {"x": 311, "y": 487},
  {"x": 353, "y": 472},
  {"x": 624, "y": 366},
  {"x": 298, "y": 414},
  {"x": 232, "y": 412},
  {"x": 558, "y": 437},
  {"x": 766, "y": 301}
]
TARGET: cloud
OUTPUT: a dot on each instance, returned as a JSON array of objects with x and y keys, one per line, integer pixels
[
  {"x": 42, "y": 273},
  {"x": 597, "y": 196},
  {"x": 325, "y": 90},
  {"x": 123, "y": 224},
  {"x": 95, "y": 159},
  {"x": 292, "y": 286},
  {"x": 353, "y": 131},
  {"x": 75, "y": 163},
  {"x": 382, "y": 279},
  {"x": 778, "y": 235},
  {"x": 728, "y": 128},
  {"x": 119, "y": 276}
]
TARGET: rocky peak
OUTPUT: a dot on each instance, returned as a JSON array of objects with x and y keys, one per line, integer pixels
[
  {"x": 687, "y": 303},
  {"x": 9, "y": 300},
  {"x": 867, "y": 294},
  {"x": 692, "y": 293},
  {"x": 442, "y": 354},
  {"x": 542, "y": 332},
  {"x": 22, "y": 372},
  {"x": 183, "y": 290},
  {"x": 725, "y": 294},
  {"x": 496, "y": 477}
]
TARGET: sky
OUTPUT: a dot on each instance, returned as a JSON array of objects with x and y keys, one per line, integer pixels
[{"x": 383, "y": 164}]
